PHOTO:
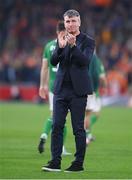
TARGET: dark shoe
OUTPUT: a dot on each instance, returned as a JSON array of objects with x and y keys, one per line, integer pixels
[
  {"x": 52, "y": 167},
  {"x": 75, "y": 167},
  {"x": 41, "y": 145}
]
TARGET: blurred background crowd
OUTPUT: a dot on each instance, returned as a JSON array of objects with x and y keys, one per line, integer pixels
[{"x": 27, "y": 25}]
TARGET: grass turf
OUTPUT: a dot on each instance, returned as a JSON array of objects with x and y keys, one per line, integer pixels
[{"x": 109, "y": 157}]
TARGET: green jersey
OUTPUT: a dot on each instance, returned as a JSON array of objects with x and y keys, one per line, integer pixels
[
  {"x": 96, "y": 70},
  {"x": 47, "y": 53}
]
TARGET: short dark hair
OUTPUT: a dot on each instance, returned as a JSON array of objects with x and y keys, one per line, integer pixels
[
  {"x": 70, "y": 13},
  {"x": 60, "y": 26}
]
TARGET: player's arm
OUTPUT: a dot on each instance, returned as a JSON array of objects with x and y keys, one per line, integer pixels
[
  {"x": 59, "y": 53},
  {"x": 43, "y": 89}
]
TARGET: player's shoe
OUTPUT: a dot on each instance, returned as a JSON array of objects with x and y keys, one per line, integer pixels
[
  {"x": 52, "y": 167},
  {"x": 91, "y": 137},
  {"x": 41, "y": 145},
  {"x": 65, "y": 153}
]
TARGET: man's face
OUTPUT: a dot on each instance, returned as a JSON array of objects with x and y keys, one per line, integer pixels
[{"x": 72, "y": 24}]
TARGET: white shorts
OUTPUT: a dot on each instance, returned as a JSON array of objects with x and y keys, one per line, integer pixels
[
  {"x": 93, "y": 103},
  {"x": 51, "y": 101}
]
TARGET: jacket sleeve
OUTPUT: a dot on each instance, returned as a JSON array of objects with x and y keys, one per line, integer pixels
[
  {"x": 83, "y": 57},
  {"x": 57, "y": 56}
]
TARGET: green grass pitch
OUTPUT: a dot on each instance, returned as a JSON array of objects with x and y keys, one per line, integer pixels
[{"x": 109, "y": 157}]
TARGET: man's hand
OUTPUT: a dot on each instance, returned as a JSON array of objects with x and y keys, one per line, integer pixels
[
  {"x": 62, "y": 40},
  {"x": 71, "y": 39},
  {"x": 43, "y": 92}
]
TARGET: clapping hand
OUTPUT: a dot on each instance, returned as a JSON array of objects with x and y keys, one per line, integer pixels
[
  {"x": 71, "y": 39},
  {"x": 62, "y": 40}
]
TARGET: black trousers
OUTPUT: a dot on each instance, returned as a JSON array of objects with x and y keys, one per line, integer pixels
[{"x": 68, "y": 100}]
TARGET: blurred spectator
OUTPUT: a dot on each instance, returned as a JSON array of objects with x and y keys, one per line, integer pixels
[
  {"x": 15, "y": 93},
  {"x": 130, "y": 75},
  {"x": 30, "y": 72},
  {"x": 114, "y": 55},
  {"x": 26, "y": 26},
  {"x": 117, "y": 83},
  {"x": 7, "y": 72}
]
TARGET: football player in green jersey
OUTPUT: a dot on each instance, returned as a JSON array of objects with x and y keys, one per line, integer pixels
[
  {"x": 47, "y": 77},
  {"x": 93, "y": 107}
]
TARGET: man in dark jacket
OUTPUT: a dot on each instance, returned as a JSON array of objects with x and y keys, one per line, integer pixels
[{"x": 72, "y": 85}]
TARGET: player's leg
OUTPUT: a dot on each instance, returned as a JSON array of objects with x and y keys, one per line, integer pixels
[
  {"x": 96, "y": 111},
  {"x": 44, "y": 135},
  {"x": 87, "y": 125},
  {"x": 93, "y": 118},
  {"x": 95, "y": 115},
  {"x": 47, "y": 126},
  {"x": 88, "y": 112}
]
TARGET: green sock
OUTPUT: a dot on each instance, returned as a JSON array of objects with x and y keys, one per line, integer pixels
[
  {"x": 93, "y": 119},
  {"x": 47, "y": 128},
  {"x": 64, "y": 133}
]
